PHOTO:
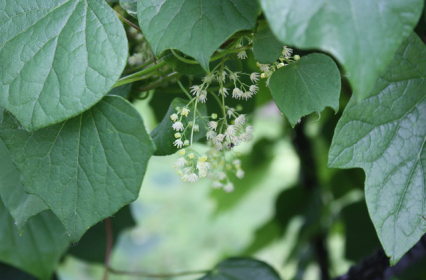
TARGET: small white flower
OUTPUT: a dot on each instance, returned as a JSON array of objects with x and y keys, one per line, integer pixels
[
  {"x": 242, "y": 55},
  {"x": 246, "y": 95},
  {"x": 195, "y": 90},
  {"x": 218, "y": 146},
  {"x": 230, "y": 112},
  {"x": 229, "y": 187},
  {"x": 178, "y": 143},
  {"x": 264, "y": 67},
  {"x": 236, "y": 140},
  {"x": 203, "y": 96},
  {"x": 287, "y": 52},
  {"x": 196, "y": 127},
  {"x": 218, "y": 139},
  {"x": 237, "y": 93},
  {"x": 280, "y": 65},
  {"x": 240, "y": 120},
  {"x": 246, "y": 137},
  {"x": 192, "y": 178},
  {"x": 208, "y": 78},
  {"x": 249, "y": 129},
  {"x": 221, "y": 175},
  {"x": 239, "y": 173},
  {"x": 210, "y": 135},
  {"x": 178, "y": 135},
  {"x": 186, "y": 143},
  {"x": 236, "y": 162},
  {"x": 203, "y": 166},
  {"x": 230, "y": 132},
  {"x": 185, "y": 111},
  {"x": 174, "y": 117},
  {"x": 254, "y": 89},
  {"x": 212, "y": 125},
  {"x": 254, "y": 77},
  {"x": 223, "y": 91},
  {"x": 217, "y": 184},
  {"x": 179, "y": 163},
  {"x": 233, "y": 76},
  {"x": 178, "y": 126}
]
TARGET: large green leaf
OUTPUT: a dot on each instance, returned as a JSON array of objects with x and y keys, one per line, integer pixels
[
  {"x": 163, "y": 134},
  {"x": 363, "y": 35},
  {"x": 242, "y": 269},
  {"x": 197, "y": 28},
  {"x": 266, "y": 48},
  {"x": 385, "y": 135},
  {"x": 86, "y": 168},
  {"x": 91, "y": 246},
  {"x": 58, "y": 58},
  {"x": 35, "y": 249},
  {"x": 306, "y": 86},
  {"x": 21, "y": 205}
]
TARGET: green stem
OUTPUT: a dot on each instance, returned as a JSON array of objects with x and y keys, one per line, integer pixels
[
  {"x": 138, "y": 75},
  {"x": 166, "y": 275},
  {"x": 128, "y": 21},
  {"x": 139, "y": 67},
  {"x": 160, "y": 82},
  {"x": 184, "y": 90}
]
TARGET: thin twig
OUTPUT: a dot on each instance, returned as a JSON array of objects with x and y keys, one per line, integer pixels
[
  {"x": 128, "y": 22},
  {"x": 108, "y": 233},
  {"x": 166, "y": 275}
]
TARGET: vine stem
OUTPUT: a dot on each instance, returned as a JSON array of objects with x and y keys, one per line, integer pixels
[
  {"x": 108, "y": 232},
  {"x": 166, "y": 275},
  {"x": 138, "y": 75},
  {"x": 160, "y": 82},
  {"x": 128, "y": 21}
]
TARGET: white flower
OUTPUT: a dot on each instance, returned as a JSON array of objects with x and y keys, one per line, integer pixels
[
  {"x": 221, "y": 175},
  {"x": 196, "y": 127},
  {"x": 212, "y": 125},
  {"x": 223, "y": 76},
  {"x": 233, "y": 76},
  {"x": 240, "y": 120},
  {"x": 195, "y": 90},
  {"x": 174, "y": 117},
  {"x": 218, "y": 139},
  {"x": 246, "y": 137},
  {"x": 254, "y": 77},
  {"x": 218, "y": 146},
  {"x": 247, "y": 95},
  {"x": 253, "y": 89},
  {"x": 178, "y": 143},
  {"x": 237, "y": 93},
  {"x": 177, "y": 126},
  {"x": 230, "y": 131},
  {"x": 236, "y": 140},
  {"x": 249, "y": 129},
  {"x": 208, "y": 78},
  {"x": 179, "y": 163},
  {"x": 223, "y": 91},
  {"x": 287, "y": 52},
  {"x": 280, "y": 65},
  {"x": 192, "y": 178},
  {"x": 203, "y": 173},
  {"x": 263, "y": 67},
  {"x": 203, "y": 166},
  {"x": 203, "y": 96},
  {"x": 185, "y": 111},
  {"x": 242, "y": 55},
  {"x": 230, "y": 112},
  {"x": 186, "y": 143},
  {"x": 239, "y": 173},
  {"x": 229, "y": 187},
  {"x": 210, "y": 135},
  {"x": 217, "y": 184}
]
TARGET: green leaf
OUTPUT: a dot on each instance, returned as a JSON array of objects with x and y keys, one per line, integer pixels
[
  {"x": 182, "y": 67},
  {"x": 21, "y": 205},
  {"x": 197, "y": 28},
  {"x": 86, "y": 168},
  {"x": 91, "y": 246},
  {"x": 58, "y": 58},
  {"x": 35, "y": 249},
  {"x": 363, "y": 35},
  {"x": 242, "y": 269},
  {"x": 266, "y": 48},
  {"x": 385, "y": 135},
  {"x": 308, "y": 85},
  {"x": 163, "y": 134},
  {"x": 123, "y": 90},
  {"x": 130, "y": 6},
  {"x": 8, "y": 272}
]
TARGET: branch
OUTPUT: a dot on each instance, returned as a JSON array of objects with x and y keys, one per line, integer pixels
[{"x": 108, "y": 232}]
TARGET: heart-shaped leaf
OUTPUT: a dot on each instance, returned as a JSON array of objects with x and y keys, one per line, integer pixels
[
  {"x": 385, "y": 135},
  {"x": 86, "y": 168},
  {"x": 363, "y": 35},
  {"x": 37, "y": 247},
  {"x": 266, "y": 48},
  {"x": 197, "y": 28},
  {"x": 21, "y": 205},
  {"x": 306, "y": 86},
  {"x": 58, "y": 58}
]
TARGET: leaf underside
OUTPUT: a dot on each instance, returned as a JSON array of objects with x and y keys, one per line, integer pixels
[
  {"x": 86, "y": 168},
  {"x": 58, "y": 58},
  {"x": 196, "y": 28},
  {"x": 363, "y": 35},
  {"x": 385, "y": 134}
]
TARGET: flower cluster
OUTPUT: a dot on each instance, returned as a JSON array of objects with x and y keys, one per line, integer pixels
[
  {"x": 191, "y": 166},
  {"x": 285, "y": 59},
  {"x": 179, "y": 127}
]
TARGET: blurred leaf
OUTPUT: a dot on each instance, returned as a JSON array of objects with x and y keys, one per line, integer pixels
[
  {"x": 8, "y": 272},
  {"x": 385, "y": 135},
  {"x": 361, "y": 237},
  {"x": 91, "y": 247},
  {"x": 195, "y": 28},
  {"x": 130, "y": 6},
  {"x": 242, "y": 269},
  {"x": 305, "y": 86},
  {"x": 86, "y": 168},
  {"x": 362, "y": 35},
  {"x": 163, "y": 134},
  {"x": 122, "y": 91},
  {"x": 35, "y": 249},
  {"x": 58, "y": 58},
  {"x": 266, "y": 48},
  {"x": 21, "y": 205}
]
